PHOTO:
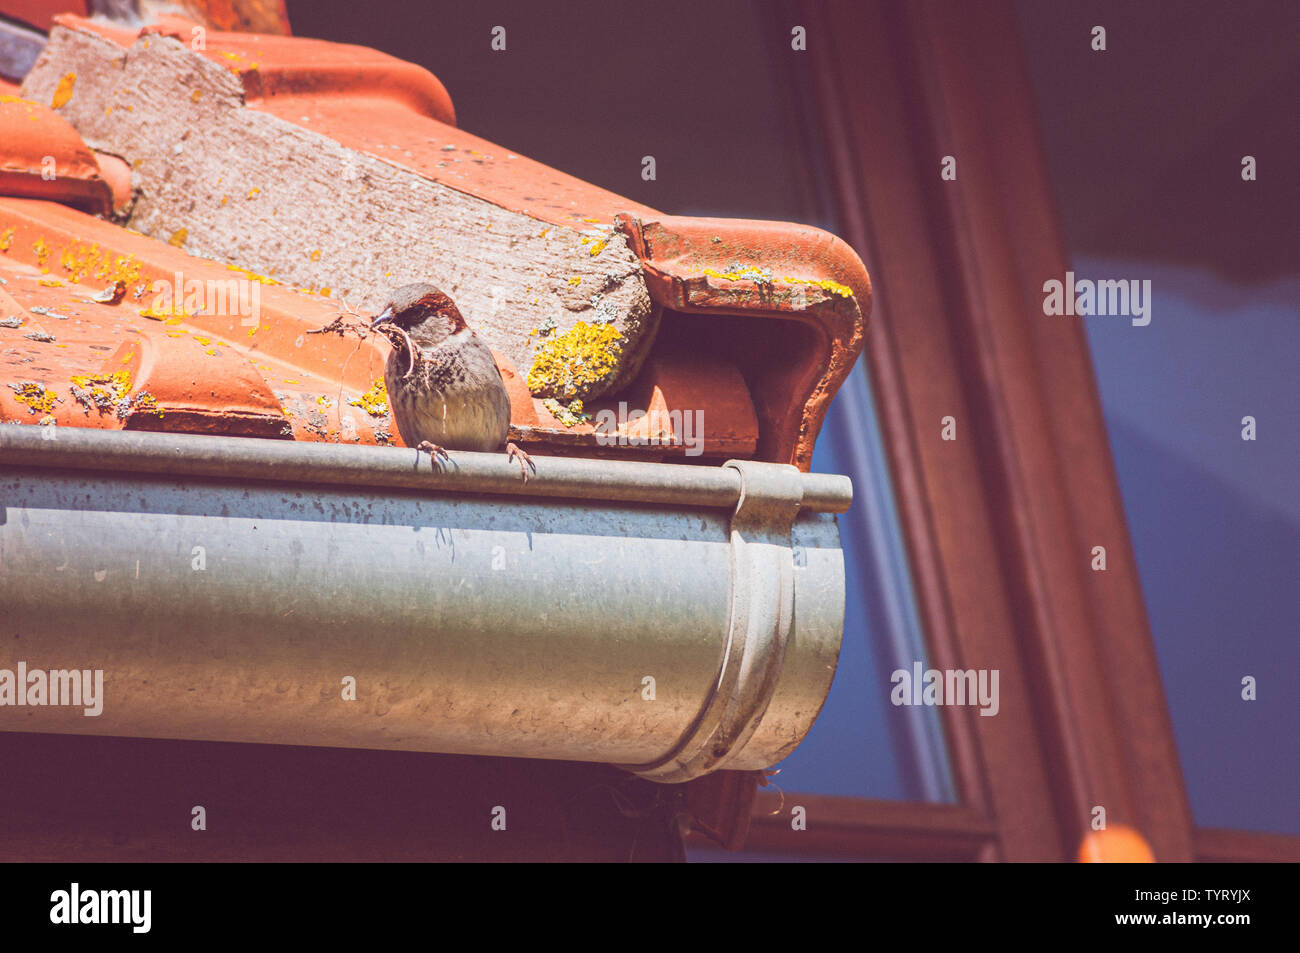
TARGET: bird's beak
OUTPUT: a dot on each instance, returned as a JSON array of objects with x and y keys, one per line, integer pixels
[{"x": 383, "y": 317}]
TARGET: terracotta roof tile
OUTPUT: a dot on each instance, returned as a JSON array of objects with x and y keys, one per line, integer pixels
[
  {"x": 42, "y": 13},
  {"x": 801, "y": 294},
  {"x": 43, "y": 156},
  {"x": 267, "y": 375}
]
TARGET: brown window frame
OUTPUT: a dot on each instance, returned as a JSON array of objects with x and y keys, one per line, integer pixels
[{"x": 999, "y": 523}]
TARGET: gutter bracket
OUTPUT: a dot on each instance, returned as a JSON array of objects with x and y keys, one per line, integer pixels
[{"x": 762, "y": 614}]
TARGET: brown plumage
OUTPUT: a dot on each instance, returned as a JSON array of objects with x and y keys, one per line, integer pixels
[{"x": 444, "y": 389}]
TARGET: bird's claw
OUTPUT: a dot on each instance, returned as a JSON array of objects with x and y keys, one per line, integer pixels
[
  {"x": 524, "y": 460},
  {"x": 435, "y": 452}
]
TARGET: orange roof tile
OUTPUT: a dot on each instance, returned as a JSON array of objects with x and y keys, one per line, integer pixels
[
  {"x": 44, "y": 157},
  {"x": 267, "y": 374},
  {"x": 230, "y": 374},
  {"x": 42, "y": 13}
]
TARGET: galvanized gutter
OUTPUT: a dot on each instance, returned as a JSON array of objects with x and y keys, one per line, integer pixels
[
  {"x": 295, "y": 462},
  {"x": 228, "y": 588}
]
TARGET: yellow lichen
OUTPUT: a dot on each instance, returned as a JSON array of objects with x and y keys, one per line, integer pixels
[
  {"x": 570, "y": 364},
  {"x": 254, "y": 192},
  {"x": 315, "y": 255},
  {"x": 80, "y": 261},
  {"x": 737, "y": 273},
  {"x": 834, "y": 287},
  {"x": 41, "y": 250},
  {"x": 570, "y": 416},
  {"x": 178, "y": 237},
  {"x": 35, "y": 396},
  {"x": 599, "y": 247},
  {"x": 252, "y": 276},
  {"x": 575, "y": 281},
  {"x": 196, "y": 95},
  {"x": 63, "y": 92},
  {"x": 50, "y": 283},
  {"x": 7, "y": 239},
  {"x": 374, "y": 401},
  {"x": 103, "y": 390},
  {"x": 762, "y": 276},
  {"x": 147, "y": 403}
]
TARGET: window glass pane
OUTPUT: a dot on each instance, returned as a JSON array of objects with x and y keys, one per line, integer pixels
[
  {"x": 1172, "y": 155},
  {"x": 1215, "y": 522},
  {"x": 861, "y": 745}
]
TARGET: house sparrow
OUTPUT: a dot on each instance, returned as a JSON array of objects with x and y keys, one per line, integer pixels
[{"x": 443, "y": 386}]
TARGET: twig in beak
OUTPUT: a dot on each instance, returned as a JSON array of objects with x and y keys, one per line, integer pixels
[{"x": 410, "y": 350}]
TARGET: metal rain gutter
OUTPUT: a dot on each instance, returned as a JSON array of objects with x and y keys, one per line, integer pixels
[{"x": 669, "y": 619}]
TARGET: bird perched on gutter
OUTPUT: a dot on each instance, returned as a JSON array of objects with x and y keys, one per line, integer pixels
[{"x": 443, "y": 385}]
